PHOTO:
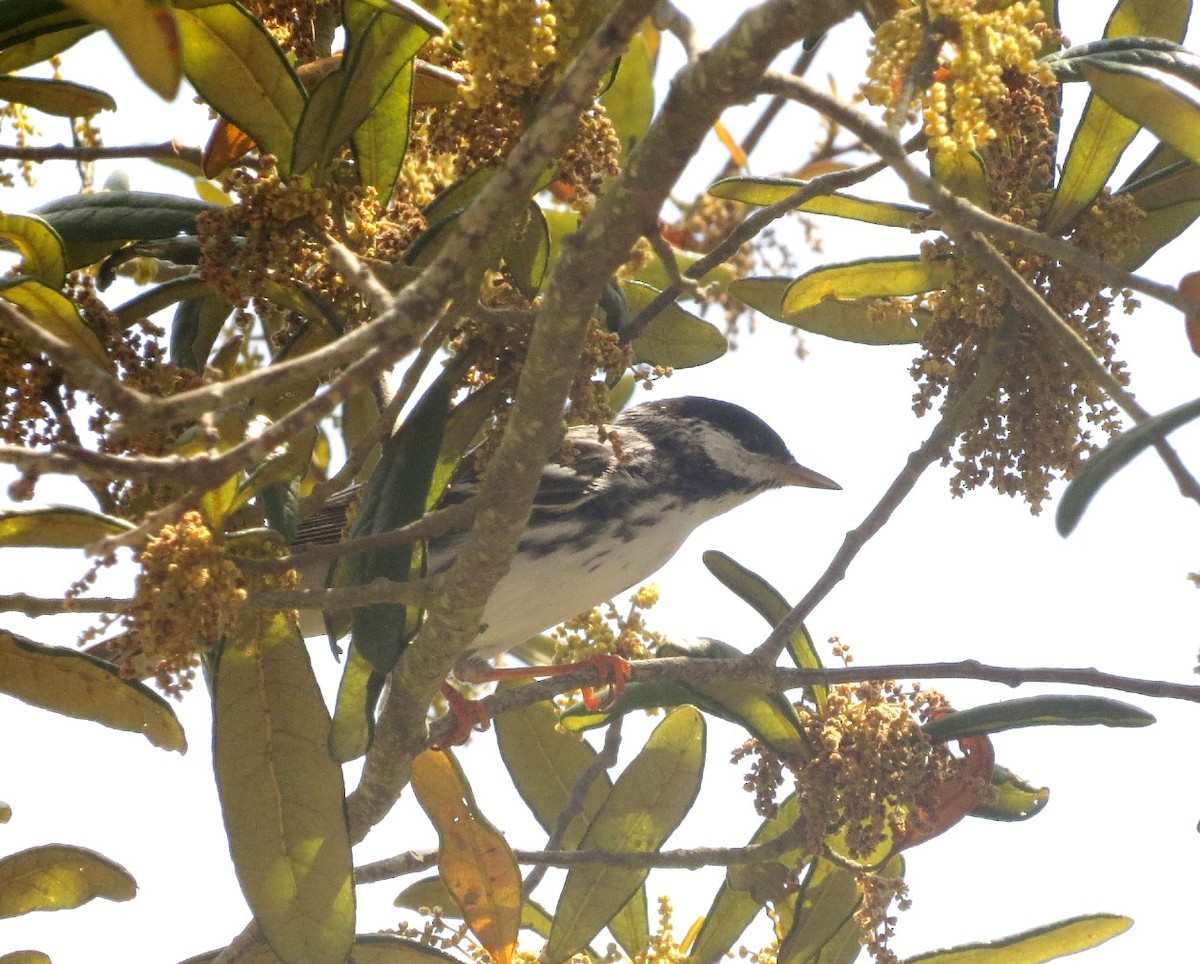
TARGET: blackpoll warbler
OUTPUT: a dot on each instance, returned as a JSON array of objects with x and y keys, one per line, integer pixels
[{"x": 609, "y": 514}]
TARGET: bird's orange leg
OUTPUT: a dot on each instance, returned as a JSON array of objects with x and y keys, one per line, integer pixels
[{"x": 469, "y": 715}]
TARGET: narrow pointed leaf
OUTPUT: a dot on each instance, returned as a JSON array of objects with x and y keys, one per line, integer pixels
[
  {"x": 546, "y": 763},
  {"x": 60, "y": 98},
  {"x": 55, "y": 312},
  {"x": 646, "y": 804},
  {"x": 963, "y": 173},
  {"x": 1054, "y": 710},
  {"x": 74, "y": 684},
  {"x": 528, "y": 253},
  {"x": 674, "y": 338},
  {"x": 769, "y": 603},
  {"x": 282, "y": 796},
  {"x": 1035, "y": 946},
  {"x": 1159, "y": 101},
  {"x": 1114, "y": 457},
  {"x": 376, "y": 55},
  {"x": 871, "y": 278},
  {"x": 381, "y": 140},
  {"x": 763, "y": 191},
  {"x": 353, "y": 725},
  {"x": 147, "y": 34},
  {"x": 237, "y": 68},
  {"x": 474, "y": 860},
  {"x": 368, "y": 949},
  {"x": 1102, "y": 134},
  {"x": 58, "y": 527},
  {"x": 59, "y": 877},
  {"x": 844, "y": 320}
]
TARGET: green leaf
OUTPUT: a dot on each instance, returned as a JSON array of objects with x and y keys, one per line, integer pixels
[
  {"x": 648, "y": 801},
  {"x": 368, "y": 949},
  {"x": 674, "y": 338},
  {"x": 747, "y": 888},
  {"x": 238, "y": 69},
  {"x": 1016, "y": 799},
  {"x": 353, "y": 725},
  {"x": 58, "y": 527},
  {"x": 59, "y": 877},
  {"x": 282, "y": 796},
  {"x": 545, "y": 764},
  {"x": 825, "y": 904},
  {"x": 1053, "y": 710},
  {"x": 1167, "y": 187},
  {"x": 1102, "y": 134},
  {"x": 763, "y": 191},
  {"x": 1114, "y": 457},
  {"x": 844, "y": 320},
  {"x": 377, "y": 53},
  {"x": 768, "y": 716},
  {"x": 147, "y": 34},
  {"x": 381, "y": 140},
  {"x": 25, "y": 41},
  {"x": 94, "y": 225},
  {"x": 396, "y": 495},
  {"x": 1034, "y": 946},
  {"x": 527, "y": 255},
  {"x": 60, "y": 98},
  {"x": 38, "y": 244},
  {"x": 80, "y": 686},
  {"x": 769, "y": 603},
  {"x": 1156, "y": 99},
  {"x": 963, "y": 173},
  {"x": 870, "y": 278},
  {"x": 55, "y": 312},
  {"x": 629, "y": 100}
]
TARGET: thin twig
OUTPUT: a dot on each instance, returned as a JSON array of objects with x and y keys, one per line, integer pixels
[{"x": 166, "y": 151}]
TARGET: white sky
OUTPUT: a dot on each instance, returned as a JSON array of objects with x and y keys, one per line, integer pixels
[{"x": 947, "y": 579}]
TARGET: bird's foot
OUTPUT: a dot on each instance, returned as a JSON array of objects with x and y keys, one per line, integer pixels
[
  {"x": 469, "y": 717},
  {"x": 614, "y": 671}
]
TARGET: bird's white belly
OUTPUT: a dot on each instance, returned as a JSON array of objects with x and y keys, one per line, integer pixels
[{"x": 539, "y": 592}]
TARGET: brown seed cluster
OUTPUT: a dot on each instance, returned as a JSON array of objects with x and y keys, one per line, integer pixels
[
  {"x": 188, "y": 597},
  {"x": 1039, "y": 422}
]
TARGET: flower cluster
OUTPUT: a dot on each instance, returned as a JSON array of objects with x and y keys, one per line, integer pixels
[
  {"x": 605, "y": 630},
  {"x": 188, "y": 597},
  {"x": 952, "y": 57}
]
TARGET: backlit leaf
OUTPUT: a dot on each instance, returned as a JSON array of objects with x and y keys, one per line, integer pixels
[
  {"x": 870, "y": 278},
  {"x": 59, "y": 98},
  {"x": 282, "y": 796},
  {"x": 55, "y": 312},
  {"x": 763, "y": 191},
  {"x": 58, "y": 527},
  {"x": 1035, "y": 946},
  {"x": 674, "y": 338},
  {"x": 646, "y": 804},
  {"x": 147, "y": 34},
  {"x": 74, "y": 684},
  {"x": 629, "y": 100},
  {"x": 237, "y": 68},
  {"x": 474, "y": 860},
  {"x": 1159, "y": 101},
  {"x": 1015, "y": 798},
  {"x": 852, "y": 320},
  {"x": 30, "y": 40},
  {"x": 432, "y": 892},
  {"x": 59, "y": 877}
]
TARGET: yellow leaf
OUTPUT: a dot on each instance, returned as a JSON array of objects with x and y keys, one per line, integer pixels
[
  {"x": 39, "y": 245},
  {"x": 58, "y": 527},
  {"x": 1035, "y": 946},
  {"x": 282, "y": 796},
  {"x": 475, "y": 861},
  {"x": 871, "y": 278},
  {"x": 146, "y": 32},
  {"x": 58, "y": 315},
  {"x": 74, "y": 684},
  {"x": 58, "y": 877}
]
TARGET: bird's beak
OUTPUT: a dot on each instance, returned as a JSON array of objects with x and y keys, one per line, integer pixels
[{"x": 797, "y": 474}]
